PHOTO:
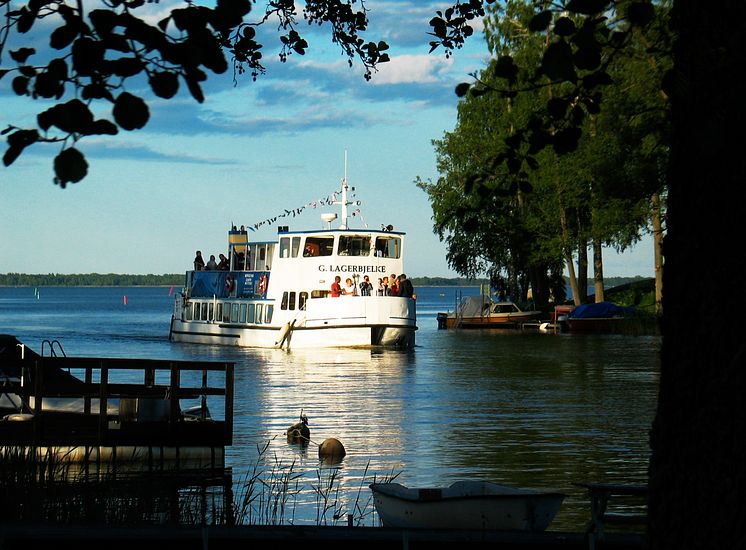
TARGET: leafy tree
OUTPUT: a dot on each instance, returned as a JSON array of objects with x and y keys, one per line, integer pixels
[
  {"x": 95, "y": 60},
  {"x": 698, "y": 459},
  {"x": 524, "y": 224}
]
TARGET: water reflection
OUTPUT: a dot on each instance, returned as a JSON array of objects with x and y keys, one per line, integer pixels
[
  {"x": 527, "y": 409},
  {"x": 519, "y": 408}
]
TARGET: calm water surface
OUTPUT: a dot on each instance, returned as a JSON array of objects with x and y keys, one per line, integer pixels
[{"x": 521, "y": 408}]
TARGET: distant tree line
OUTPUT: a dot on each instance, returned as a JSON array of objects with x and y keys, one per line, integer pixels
[
  {"x": 173, "y": 279},
  {"x": 90, "y": 279}
]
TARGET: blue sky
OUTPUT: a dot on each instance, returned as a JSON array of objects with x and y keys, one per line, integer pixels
[{"x": 249, "y": 152}]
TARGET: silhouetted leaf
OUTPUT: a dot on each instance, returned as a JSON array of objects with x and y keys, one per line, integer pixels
[
  {"x": 566, "y": 140},
  {"x": 540, "y": 22},
  {"x": 597, "y": 78},
  {"x": 557, "y": 62},
  {"x": 126, "y": 66},
  {"x": 557, "y": 107},
  {"x": 17, "y": 142},
  {"x": 27, "y": 70},
  {"x": 462, "y": 89},
  {"x": 194, "y": 88},
  {"x": 102, "y": 127},
  {"x": 587, "y": 7},
  {"x": 72, "y": 116},
  {"x": 588, "y": 57},
  {"x": 69, "y": 166},
  {"x": 21, "y": 54},
  {"x": 164, "y": 84},
  {"x": 564, "y": 26},
  {"x": 130, "y": 112},
  {"x": 88, "y": 56},
  {"x": 103, "y": 21},
  {"x": 640, "y": 13},
  {"x": 505, "y": 67},
  {"x": 57, "y": 68},
  {"x": 26, "y": 21},
  {"x": 48, "y": 85},
  {"x": 20, "y": 85},
  {"x": 96, "y": 91},
  {"x": 63, "y": 36}
]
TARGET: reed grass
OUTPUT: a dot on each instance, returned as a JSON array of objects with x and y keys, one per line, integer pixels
[{"x": 49, "y": 489}]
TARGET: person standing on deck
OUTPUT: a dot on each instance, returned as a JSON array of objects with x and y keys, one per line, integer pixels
[
  {"x": 406, "y": 290},
  {"x": 365, "y": 286},
  {"x": 199, "y": 262},
  {"x": 336, "y": 288}
]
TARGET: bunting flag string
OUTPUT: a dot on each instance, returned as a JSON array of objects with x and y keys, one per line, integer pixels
[{"x": 329, "y": 200}]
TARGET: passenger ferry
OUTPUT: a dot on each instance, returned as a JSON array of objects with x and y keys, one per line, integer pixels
[{"x": 278, "y": 294}]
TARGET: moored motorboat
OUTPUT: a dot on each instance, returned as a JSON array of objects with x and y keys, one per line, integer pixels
[
  {"x": 279, "y": 294},
  {"x": 465, "y": 505},
  {"x": 601, "y": 317},
  {"x": 482, "y": 312}
]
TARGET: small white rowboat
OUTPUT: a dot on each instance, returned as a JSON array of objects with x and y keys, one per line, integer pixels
[{"x": 465, "y": 505}]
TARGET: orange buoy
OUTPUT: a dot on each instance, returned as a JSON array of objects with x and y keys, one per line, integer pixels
[{"x": 331, "y": 450}]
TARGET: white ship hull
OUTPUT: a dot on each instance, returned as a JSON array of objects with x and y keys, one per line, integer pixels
[{"x": 329, "y": 322}]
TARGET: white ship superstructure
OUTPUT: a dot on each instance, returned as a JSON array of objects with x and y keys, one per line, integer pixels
[{"x": 278, "y": 294}]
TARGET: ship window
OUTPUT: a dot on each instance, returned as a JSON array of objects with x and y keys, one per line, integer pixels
[
  {"x": 227, "y": 313},
  {"x": 219, "y": 311},
  {"x": 354, "y": 245},
  {"x": 242, "y": 314},
  {"x": 252, "y": 313},
  {"x": 324, "y": 245},
  {"x": 292, "y": 301},
  {"x": 204, "y": 311},
  {"x": 188, "y": 313},
  {"x": 303, "y": 297},
  {"x": 284, "y": 247},
  {"x": 259, "y": 311},
  {"x": 388, "y": 247},
  {"x": 268, "y": 313},
  {"x": 296, "y": 246},
  {"x": 234, "y": 313},
  {"x": 319, "y": 293},
  {"x": 210, "y": 312},
  {"x": 284, "y": 303}
]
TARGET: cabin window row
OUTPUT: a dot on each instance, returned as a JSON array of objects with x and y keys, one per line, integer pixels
[
  {"x": 229, "y": 312},
  {"x": 288, "y": 300},
  {"x": 348, "y": 245}
]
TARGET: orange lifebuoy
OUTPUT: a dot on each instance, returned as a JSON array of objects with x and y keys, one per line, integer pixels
[{"x": 230, "y": 284}]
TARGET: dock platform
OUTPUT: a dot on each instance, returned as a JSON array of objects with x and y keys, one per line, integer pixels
[{"x": 95, "y": 418}]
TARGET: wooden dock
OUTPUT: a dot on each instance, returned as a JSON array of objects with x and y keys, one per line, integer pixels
[{"x": 105, "y": 420}]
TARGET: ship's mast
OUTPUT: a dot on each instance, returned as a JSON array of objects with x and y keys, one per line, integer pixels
[{"x": 344, "y": 201}]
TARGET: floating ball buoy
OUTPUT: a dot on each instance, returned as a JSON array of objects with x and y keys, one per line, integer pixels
[{"x": 331, "y": 450}]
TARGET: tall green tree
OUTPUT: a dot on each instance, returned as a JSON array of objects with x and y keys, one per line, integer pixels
[
  {"x": 698, "y": 461},
  {"x": 552, "y": 208}
]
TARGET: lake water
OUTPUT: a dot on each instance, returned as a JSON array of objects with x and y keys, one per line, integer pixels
[{"x": 522, "y": 408}]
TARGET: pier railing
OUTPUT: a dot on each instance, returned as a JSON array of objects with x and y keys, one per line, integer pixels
[{"x": 98, "y": 410}]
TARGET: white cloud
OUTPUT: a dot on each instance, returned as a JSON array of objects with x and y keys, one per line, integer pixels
[{"x": 409, "y": 69}]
